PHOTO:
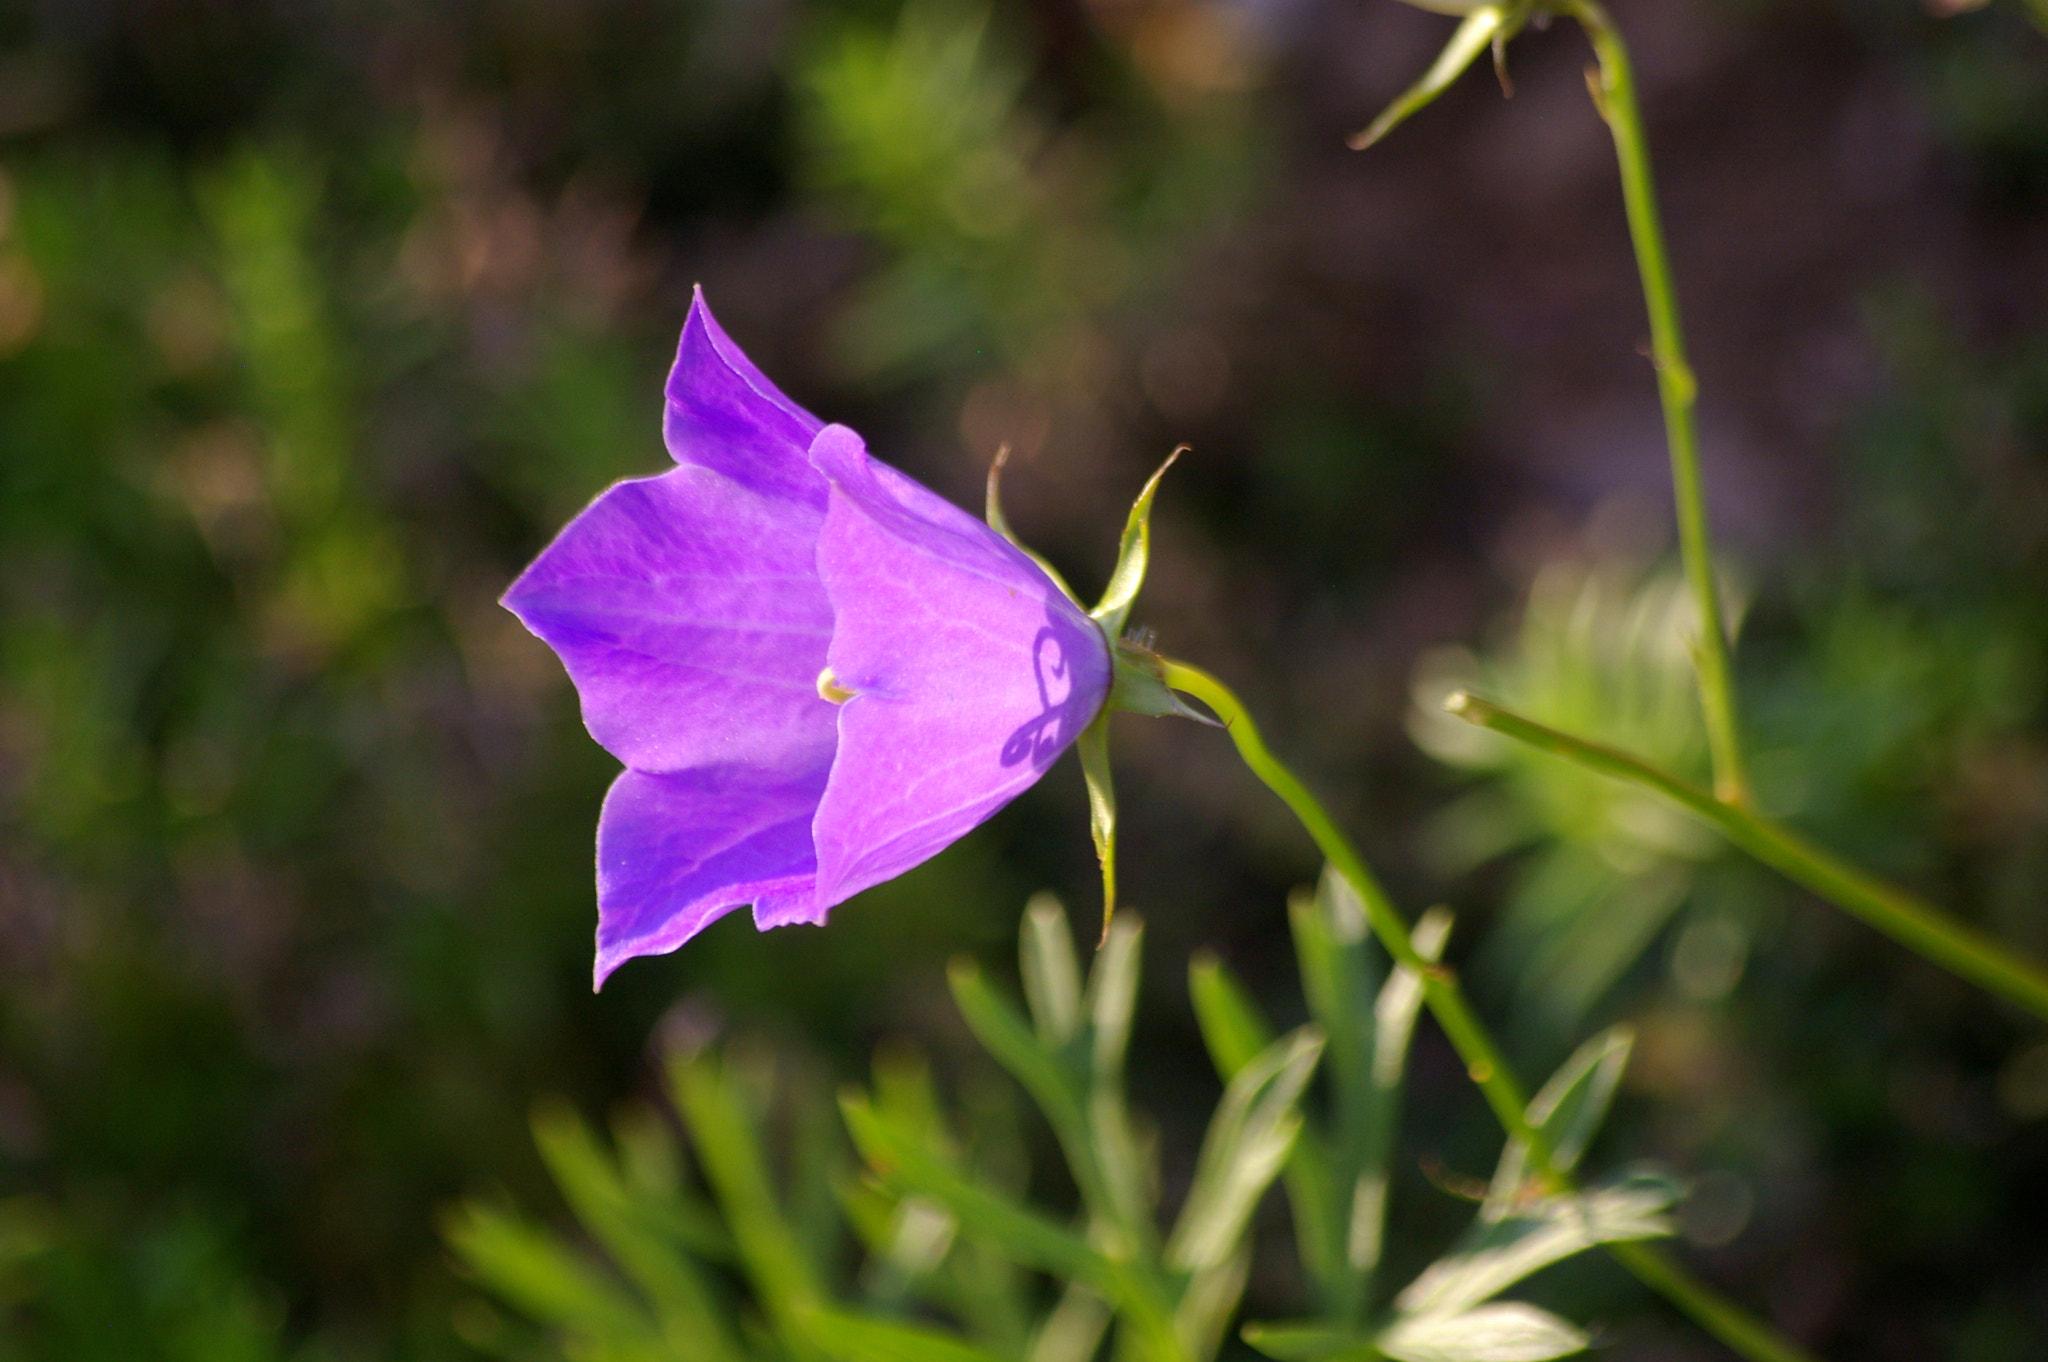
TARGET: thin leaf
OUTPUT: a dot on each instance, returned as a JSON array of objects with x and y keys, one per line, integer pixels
[
  {"x": 1004, "y": 1034},
  {"x": 848, "y": 1337},
  {"x": 1400, "y": 1000},
  {"x": 1571, "y": 1106},
  {"x": 1231, "y": 1025},
  {"x": 1337, "y": 977},
  {"x": 1208, "y": 1302},
  {"x": 533, "y": 1270},
  {"x": 1497, "y": 1254},
  {"x": 1074, "y": 1329},
  {"x": 1308, "y": 1342},
  {"x": 1027, "y": 1237},
  {"x": 1567, "y": 1112},
  {"x": 1113, "y": 995},
  {"x": 621, "y": 1221},
  {"x": 1094, "y": 749},
  {"x": 729, "y": 1148},
  {"x": 1248, "y": 1141},
  {"x": 1508, "y": 1332},
  {"x": 1052, "y": 976},
  {"x": 1474, "y": 36},
  {"x": 1080, "y": 1115},
  {"x": 1134, "y": 554},
  {"x": 1111, "y": 1146},
  {"x": 1394, "y": 1013}
]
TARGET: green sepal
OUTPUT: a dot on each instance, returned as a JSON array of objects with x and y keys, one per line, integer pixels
[
  {"x": 1138, "y": 685},
  {"x": 1094, "y": 749},
  {"x": 1133, "y": 555},
  {"x": 1001, "y": 525},
  {"x": 1484, "y": 27}
]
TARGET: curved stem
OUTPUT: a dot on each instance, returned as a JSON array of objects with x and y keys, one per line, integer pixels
[
  {"x": 1468, "y": 1035},
  {"x": 1615, "y": 94},
  {"x": 1918, "y": 926},
  {"x": 1734, "y": 1326}
]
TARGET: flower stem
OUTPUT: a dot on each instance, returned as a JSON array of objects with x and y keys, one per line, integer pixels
[
  {"x": 1468, "y": 1035},
  {"x": 1713, "y": 1312},
  {"x": 1916, "y": 925},
  {"x": 1615, "y": 95}
]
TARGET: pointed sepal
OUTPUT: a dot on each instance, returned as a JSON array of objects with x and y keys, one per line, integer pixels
[
  {"x": 1482, "y": 29},
  {"x": 1001, "y": 525},
  {"x": 1133, "y": 556},
  {"x": 1138, "y": 685},
  {"x": 1093, "y": 746}
]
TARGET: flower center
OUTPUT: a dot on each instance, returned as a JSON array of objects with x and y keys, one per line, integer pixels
[{"x": 830, "y": 689}]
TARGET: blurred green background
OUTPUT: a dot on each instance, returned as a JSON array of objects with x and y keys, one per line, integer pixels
[{"x": 318, "y": 317}]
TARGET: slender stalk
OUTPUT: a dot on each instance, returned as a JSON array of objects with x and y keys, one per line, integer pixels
[
  {"x": 1615, "y": 94},
  {"x": 1713, "y": 1312},
  {"x": 1709, "y": 1310},
  {"x": 1918, "y": 926}
]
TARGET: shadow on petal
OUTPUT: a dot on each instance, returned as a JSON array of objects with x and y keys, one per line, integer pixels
[{"x": 1061, "y": 648}]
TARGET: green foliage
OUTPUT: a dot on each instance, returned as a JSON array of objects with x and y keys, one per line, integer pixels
[
  {"x": 953, "y": 1250},
  {"x": 1603, "y": 653},
  {"x": 1448, "y": 1314},
  {"x": 1009, "y": 237}
]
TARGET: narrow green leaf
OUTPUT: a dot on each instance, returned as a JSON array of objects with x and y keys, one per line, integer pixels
[
  {"x": 905, "y": 1091},
  {"x": 1508, "y": 1332},
  {"x": 903, "y": 1163},
  {"x": 1094, "y": 749},
  {"x": 1571, "y": 1106},
  {"x": 1209, "y": 1300},
  {"x": 1339, "y": 973},
  {"x": 729, "y": 1148},
  {"x": 1339, "y": 976},
  {"x": 1394, "y": 1013},
  {"x": 1073, "y": 1331},
  {"x": 1112, "y": 1147},
  {"x": 535, "y": 1272},
  {"x": 1235, "y": 1034},
  {"x": 1400, "y": 1000},
  {"x": 1567, "y": 1112},
  {"x": 1474, "y": 36},
  {"x": 1134, "y": 555},
  {"x": 848, "y": 1337},
  {"x": 1086, "y": 1116},
  {"x": 1231, "y": 1025},
  {"x": 1052, "y": 976},
  {"x": 1309, "y": 1342},
  {"x": 1496, "y": 1254},
  {"x": 1055, "y": 1086},
  {"x": 1113, "y": 995},
  {"x": 631, "y": 1231},
  {"x": 1248, "y": 1141}
]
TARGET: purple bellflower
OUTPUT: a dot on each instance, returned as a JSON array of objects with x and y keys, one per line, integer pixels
[{"x": 817, "y": 672}]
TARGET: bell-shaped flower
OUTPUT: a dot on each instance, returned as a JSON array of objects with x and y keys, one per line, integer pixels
[{"x": 817, "y": 672}]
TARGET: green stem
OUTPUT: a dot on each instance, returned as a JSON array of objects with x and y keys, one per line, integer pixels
[
  {"x": 1712, "y": 1312},
  {"x": 1918, "y": 926},
  {"x": 1468, "y": 1036},
  {"x": 1615, "y": 94},
  {"x": 1483, "y": 1060}
]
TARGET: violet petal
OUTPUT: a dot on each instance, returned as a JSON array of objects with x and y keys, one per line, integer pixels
[
  {"x": 724, "y": 414},
  {"x": 970, "y": 671},
  {"x": 677, "y": 852},
  {"x": 689, "y": 613}
]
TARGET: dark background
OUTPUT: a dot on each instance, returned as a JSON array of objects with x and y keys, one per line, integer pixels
[{"x": 317, "y": 319}]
